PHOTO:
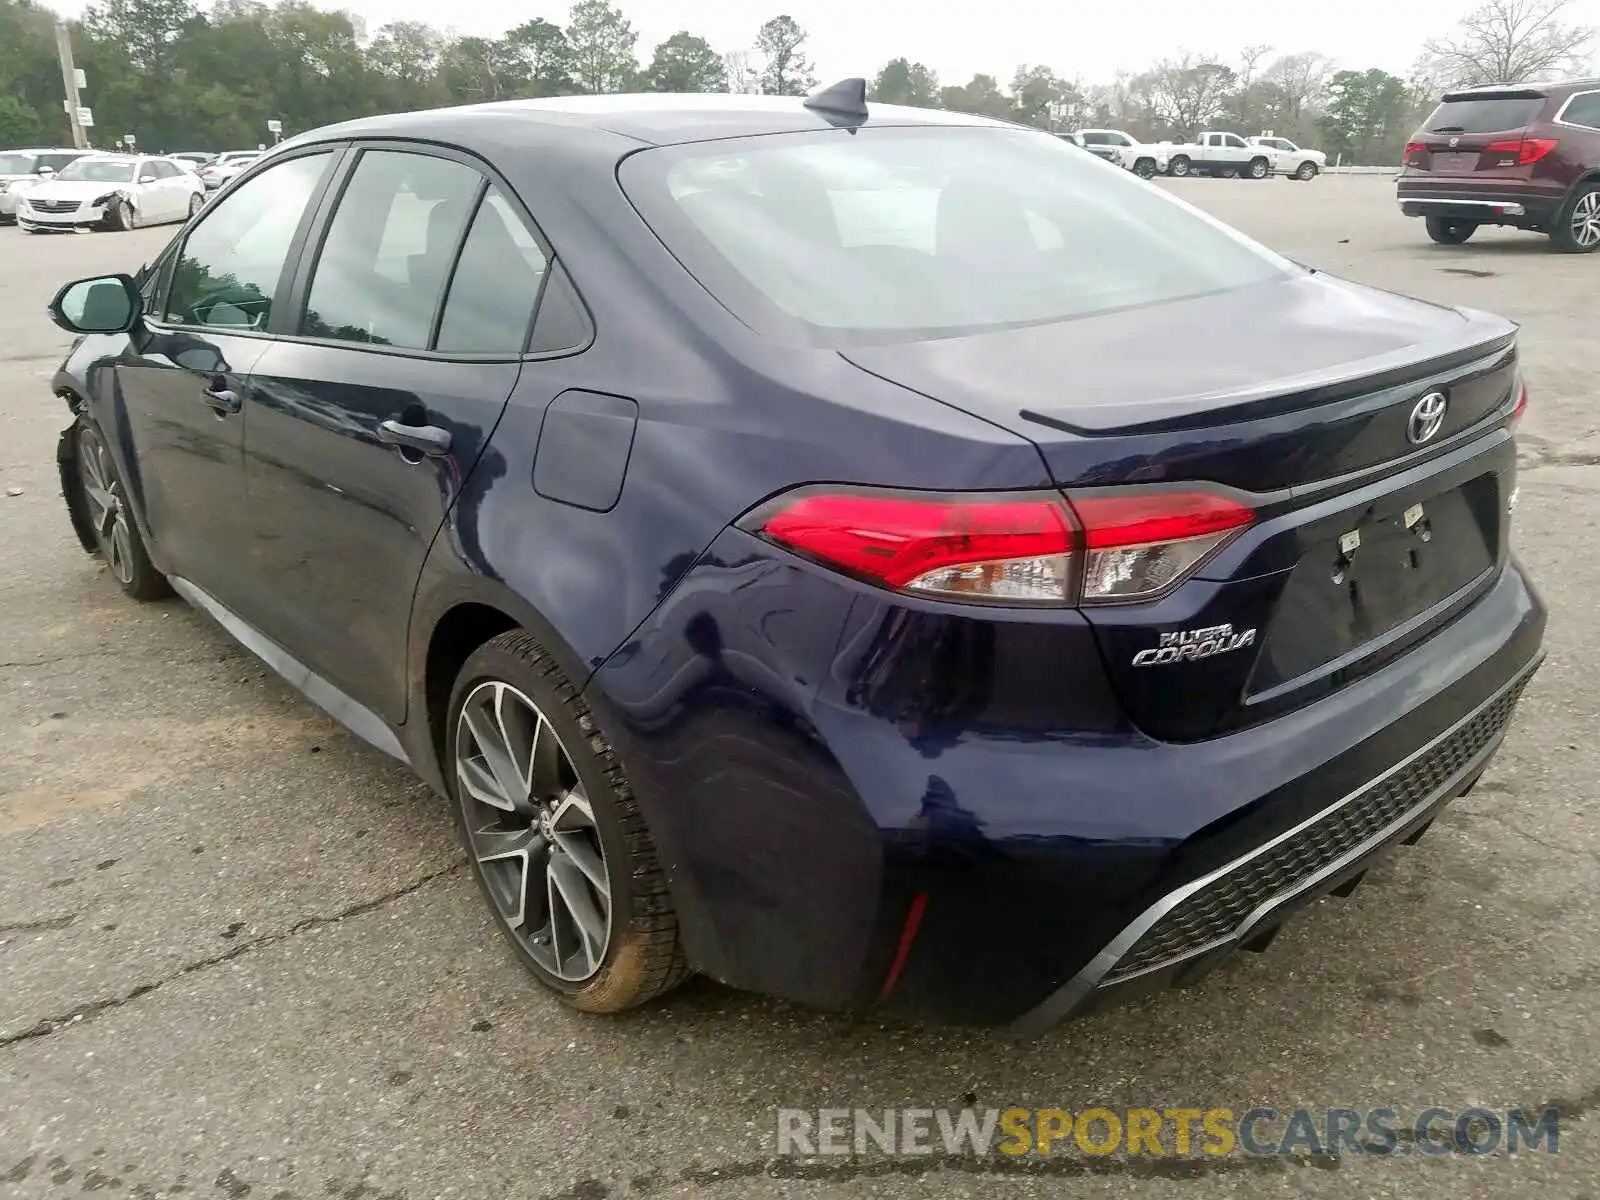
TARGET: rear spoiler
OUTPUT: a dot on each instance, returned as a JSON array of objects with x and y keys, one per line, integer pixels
[{"x": 1494, "y": 94}]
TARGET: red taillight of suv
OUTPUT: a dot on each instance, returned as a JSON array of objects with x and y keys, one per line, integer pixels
[
  {"x": 1415, "y": 151},
  {"x": 1028, "y": 549},
  {"x": 1520, "y": 409},
  {"x": 1527, "y": 150}
]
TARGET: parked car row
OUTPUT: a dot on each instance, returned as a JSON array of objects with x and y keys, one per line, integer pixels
[
  {"x": 95, "y": 190},
  {"x": 1215, "y": 152}
]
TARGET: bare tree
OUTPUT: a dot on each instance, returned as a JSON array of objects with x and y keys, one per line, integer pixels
[
  {"x": 743, "y": 79},
  {"x": 1188, "y": 92},
  {"x": 1512, "y": 41},
  {"x": 1290, "y": 86}
]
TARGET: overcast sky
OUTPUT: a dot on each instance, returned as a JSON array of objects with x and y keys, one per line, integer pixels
[{"x": 855, "y": 37}]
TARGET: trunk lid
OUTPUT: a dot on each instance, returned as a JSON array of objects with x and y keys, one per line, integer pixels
[{"x": 1295, "y": 397}]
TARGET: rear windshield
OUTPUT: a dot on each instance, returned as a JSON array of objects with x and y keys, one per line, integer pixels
[
  {"x": 1484, "y": 115},
  {"x": 901, "y": 234}
]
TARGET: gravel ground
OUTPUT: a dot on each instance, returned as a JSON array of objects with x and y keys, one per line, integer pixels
[{"x": 241, "y": 956}]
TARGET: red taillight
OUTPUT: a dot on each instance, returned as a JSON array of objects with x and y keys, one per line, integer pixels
[
  {"x": 1520, "y": 409},
  {"x": 1014, "y": 548},
  {"x": 1026, "y": 549},
  {"x": 1414, "y": 150},
  {"x": 1527, "y": 150}
]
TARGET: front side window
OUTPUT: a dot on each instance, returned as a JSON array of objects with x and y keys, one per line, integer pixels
[
  {"x": 903, "y": 234},
  {"x": 387, "y": 255},
  {"x": 1233, "y": 140},
  {"x": 100, "y": 170},
  {"x": 495, "y": 284},
  {"x": 229, "y": 268}
]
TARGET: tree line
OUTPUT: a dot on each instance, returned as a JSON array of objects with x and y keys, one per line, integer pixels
[{"x": 179, "y": 76}]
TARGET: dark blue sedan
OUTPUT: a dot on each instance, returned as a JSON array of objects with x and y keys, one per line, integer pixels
[{"x": 877, "y": 557}]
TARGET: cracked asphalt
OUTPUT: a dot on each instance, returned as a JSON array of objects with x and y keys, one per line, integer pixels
[{"x": 240, "y": 957}]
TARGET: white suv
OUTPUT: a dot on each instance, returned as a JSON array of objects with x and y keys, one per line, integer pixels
[{"x": 1290, "y": 160}]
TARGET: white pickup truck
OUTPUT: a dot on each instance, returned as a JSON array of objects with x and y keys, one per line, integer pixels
[
  {"x": 1125, "y": 150},
  {"x": 1290, "y": 160},
  {"x": 1224, "y": 154}
]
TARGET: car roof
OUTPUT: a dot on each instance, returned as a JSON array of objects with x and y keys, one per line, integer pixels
[{"x": 647, "y": 118}]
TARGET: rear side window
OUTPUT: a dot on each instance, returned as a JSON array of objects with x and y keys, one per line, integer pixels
[
  {"x": 56, "y": 161},
  {"x": 900, "y": 234},
  {"x": 1583, "y": 109},
  {"x": 228, "y": 270},
  {"x": 495, "y": 284},
  {"x": 1484, "y": 114},
  {"x": 386, "y": 258}
]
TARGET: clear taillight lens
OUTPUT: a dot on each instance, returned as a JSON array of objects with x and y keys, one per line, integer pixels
[
  {"x": 1090, "y": 548},
  {"x": 1140, "y": 544}
]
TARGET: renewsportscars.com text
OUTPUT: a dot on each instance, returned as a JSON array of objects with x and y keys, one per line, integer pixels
[{"x": 1164, "y": 1132}]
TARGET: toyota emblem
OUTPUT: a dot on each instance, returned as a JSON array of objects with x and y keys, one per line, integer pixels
[{"x": 1426, "y": 419}]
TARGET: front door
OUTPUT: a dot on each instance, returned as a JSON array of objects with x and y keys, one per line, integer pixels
[
  {"x": 365, "y": 422},
  {"x": 177, "y": 395}
]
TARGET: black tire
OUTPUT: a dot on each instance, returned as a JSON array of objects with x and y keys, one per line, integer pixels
[
  {"x": 1306, "y": 172},
  {"x": 1145, "y": 168},
  {"x": 119, "y": 216},
  {"x": 1179, "y": 166},
  {"x": 1227, "y": 173},
  {"x": 643, "y": 956},
  {"x": 1448, "y": 231},
  {"x": 1259, "y": 168},
  {"x": 121, "y": 545},
  {"x": 1577, "y": 229},
  {"x": 196, "y": 203}
]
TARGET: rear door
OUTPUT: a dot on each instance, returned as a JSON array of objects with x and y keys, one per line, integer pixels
[
  {"x": 1477, "y": 134},
  {"x": 367, "y": 416}
]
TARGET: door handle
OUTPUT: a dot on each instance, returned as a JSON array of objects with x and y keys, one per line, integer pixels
[
  {"x": 223, "y": 400},
  {"x": 424, "y": 439}
]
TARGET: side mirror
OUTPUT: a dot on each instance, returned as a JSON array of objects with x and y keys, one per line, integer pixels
[
  {"x": 147, "y": 179},
  {"x": 104, "y": 304},
  {"x": 45, "y": 171}
]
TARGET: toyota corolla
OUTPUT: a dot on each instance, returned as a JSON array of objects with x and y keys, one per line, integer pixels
[{"x": 871, "y": 556}]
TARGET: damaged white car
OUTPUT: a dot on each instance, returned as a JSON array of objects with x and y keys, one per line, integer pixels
[{"x": 106, "y": 191}]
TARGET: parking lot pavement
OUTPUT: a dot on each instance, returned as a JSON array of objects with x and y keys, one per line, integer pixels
[{"x": 240, "y": 956}]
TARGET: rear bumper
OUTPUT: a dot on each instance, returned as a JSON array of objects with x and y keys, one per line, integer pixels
[
  {"x": 1496, "y": 204},
  {"x": 861, "y": 801},
  {"x": 1182, "y": 936}
]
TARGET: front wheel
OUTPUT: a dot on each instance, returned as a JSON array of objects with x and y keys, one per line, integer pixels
[
  {"x": 119, "y": 216},
  {"x": 554, "y": 834},
  {"x": 1577, "y": 229},
  {"x": 1450, "y": 232},
  {"x": 121, "y": 546},
  {"x": 1179, "y": 166},
  {"x": 1259, "y": 168},
  {"x": 1145, "y": 168},
  {"x": 196, "y": 203},
  {"x": 1306, "y": 172}
]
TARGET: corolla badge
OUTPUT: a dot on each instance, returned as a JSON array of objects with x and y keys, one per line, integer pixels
[
  {"x": 1186, "y": 645},
  {"x": 1426, "y": 418}
]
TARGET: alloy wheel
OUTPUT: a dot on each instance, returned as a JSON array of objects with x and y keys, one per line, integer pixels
[
  {"x": 532, "y": 831},
  {"x": 104, "y": 492},
  {"x": 1586, "y": 220}
]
